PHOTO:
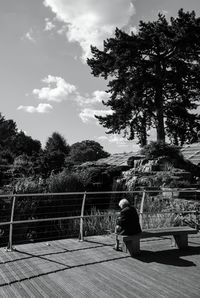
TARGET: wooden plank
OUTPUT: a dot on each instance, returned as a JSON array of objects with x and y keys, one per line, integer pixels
[{"x": 99, "y": 271}]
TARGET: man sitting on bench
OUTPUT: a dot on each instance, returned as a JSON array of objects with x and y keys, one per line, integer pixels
[{"x": 127, "y": 222}]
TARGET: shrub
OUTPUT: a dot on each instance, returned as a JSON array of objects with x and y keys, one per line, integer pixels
[
  {"x": 30, "y": 185},
  {"x": 155, "y": 150},
  {"x": 64, "y": 182}
]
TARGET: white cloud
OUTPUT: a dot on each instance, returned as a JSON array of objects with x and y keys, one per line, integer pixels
[
  {"x": 87, "y": 114},
  {"x": 21, "y": 130},
  {"x": 91, "y": 21},
  {"x": 41, "y": 108},
  {"x": 119, "y": 141},
  {"x": 57, "y": 89},
  {"x": 29, "y": 36},
  {"x": 62, "y": 30},
  {"x": 164, "y": 12},
  {"x": 49, "y": 25},
  {"x": 116, "y": 139},
  {"x": 133, "y": 30},
  {"x": 96, "y": 97}
]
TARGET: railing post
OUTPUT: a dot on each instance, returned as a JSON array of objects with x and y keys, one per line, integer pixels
[
  {"x": 81, "y": 236},
  {"x": 10, "y": 247},
  {"x": 141, "y": 208},
  {"x": 197, "y": 221}
]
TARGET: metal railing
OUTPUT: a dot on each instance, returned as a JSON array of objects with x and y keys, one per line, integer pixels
[{"x": 49, "y": 210}]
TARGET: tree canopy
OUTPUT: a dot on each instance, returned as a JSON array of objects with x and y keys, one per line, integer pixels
[
  {"x": 56, "y": 142},
  {"x": 8, "y": 131},
  {"x": 153, "y": 79},
  {"x": 17, "y": 142},
  {"x": 25, "y": 144},
  {"x": 87, "y": 150}
]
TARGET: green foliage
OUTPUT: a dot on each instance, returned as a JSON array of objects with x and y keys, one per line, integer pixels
[
  {"x": 30, "y": 185},
  {"x": 53, "y": 157},
  {"x": 16, "y": 151},
  {"x": 97, "y": 177},
  {"x": 90, "y": 175},
  {"x": 57, "y": 143},
  {"x": 154, "y": 74},
  {"x": 165, "y": 212},
  {"x": 64, "y": 182},
  {"x": 53, "y": 162},
  {"x": 85, "y": 151},
  {"x": 6, "y": 157},
  {"x": 156, "y": 149},
  {"x": 23, "y": 144},
  {"x": 100, "y": 222},
  {"x": 8, "y": 131},
  {"x": 21, "y": 156}
]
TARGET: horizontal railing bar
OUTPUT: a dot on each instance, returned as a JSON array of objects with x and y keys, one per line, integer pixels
[
  {"x": 65, "y": 193},
  {"x": 52, "y": 219},
  {"x": 94, "y": 192},
  {"x": 5, "y": 223},
  {"x": 45, "y": 219},
  {"x": 78, "y": 217},
  {"x": 99, "y": 193}
]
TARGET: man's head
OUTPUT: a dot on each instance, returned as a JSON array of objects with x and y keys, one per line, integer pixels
[{"x": 124, "y": 203}]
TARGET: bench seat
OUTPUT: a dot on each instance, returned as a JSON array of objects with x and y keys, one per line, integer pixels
[{"x": 180, "y": 234}]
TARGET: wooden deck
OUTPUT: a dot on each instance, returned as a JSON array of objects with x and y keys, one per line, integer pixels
[{"x": 69, "y": 268}]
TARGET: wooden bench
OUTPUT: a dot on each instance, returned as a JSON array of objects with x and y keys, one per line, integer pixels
[{"x": 132, "y": 243}]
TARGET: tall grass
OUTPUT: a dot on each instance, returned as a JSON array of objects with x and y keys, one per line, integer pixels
[
  {"x": 158, "y": 213},
  {"x": 100, "y": 222}
]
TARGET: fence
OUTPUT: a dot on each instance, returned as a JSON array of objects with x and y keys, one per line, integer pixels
[{"x": 42, "y": 217}]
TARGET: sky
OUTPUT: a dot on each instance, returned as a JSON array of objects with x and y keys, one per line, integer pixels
[{"x": 46, "y": 84}]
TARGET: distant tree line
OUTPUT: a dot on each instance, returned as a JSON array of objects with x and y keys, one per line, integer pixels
[{"x": 22, "y": 156}]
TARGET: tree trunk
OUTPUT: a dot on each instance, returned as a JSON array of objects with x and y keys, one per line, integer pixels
[
  {"x": 160, "y": 128},
  {"x": 143, "y": 132},
  {"x": 159, "y": 104},
  {"x": 160, "y": 116}
]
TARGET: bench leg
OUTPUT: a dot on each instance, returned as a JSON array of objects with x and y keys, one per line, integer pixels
[
  {"x": 181, "y": 240},
  {"x": 117, "y": 243},
  {"x": 132, "y": 246}
]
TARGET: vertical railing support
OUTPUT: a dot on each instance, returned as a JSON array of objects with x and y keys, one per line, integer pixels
[
  {"x": 141, "y": 208},
  {"x": 81, "y": 235},
  {"x": 196, "y": 220},
  {"x": 10, "y": 247}
]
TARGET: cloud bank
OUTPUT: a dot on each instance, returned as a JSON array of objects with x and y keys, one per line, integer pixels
[
  {"x": 91, "y": 21},
  {"x": 119, "y": 141},
  {"x": 41, "y": 108},
  {"x": 88, "y": 114},
  {"x": 96, "y": 97},
  {"x": 57, "y": 89}
]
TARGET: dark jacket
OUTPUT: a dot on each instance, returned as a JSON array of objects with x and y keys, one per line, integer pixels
[{"x": 129, "y": 221}]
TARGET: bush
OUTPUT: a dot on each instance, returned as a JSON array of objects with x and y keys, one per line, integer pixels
[
  {"x": 155, "y": 150},
  {"x": 30, "y": 185},
  {"x": 64, "y": 182},
  {"x": 98, "y": 177}
]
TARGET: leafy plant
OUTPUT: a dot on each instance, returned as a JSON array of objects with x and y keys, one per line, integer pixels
[
  {"x": 155, "y": 149},
  {"x": 64, "y": 182}
]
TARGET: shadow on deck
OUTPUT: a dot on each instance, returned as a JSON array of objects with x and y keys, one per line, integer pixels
[{"x": 70, "y": 268}]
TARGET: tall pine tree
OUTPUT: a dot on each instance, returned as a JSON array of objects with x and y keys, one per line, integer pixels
[{"x": 154, "y": 79}]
